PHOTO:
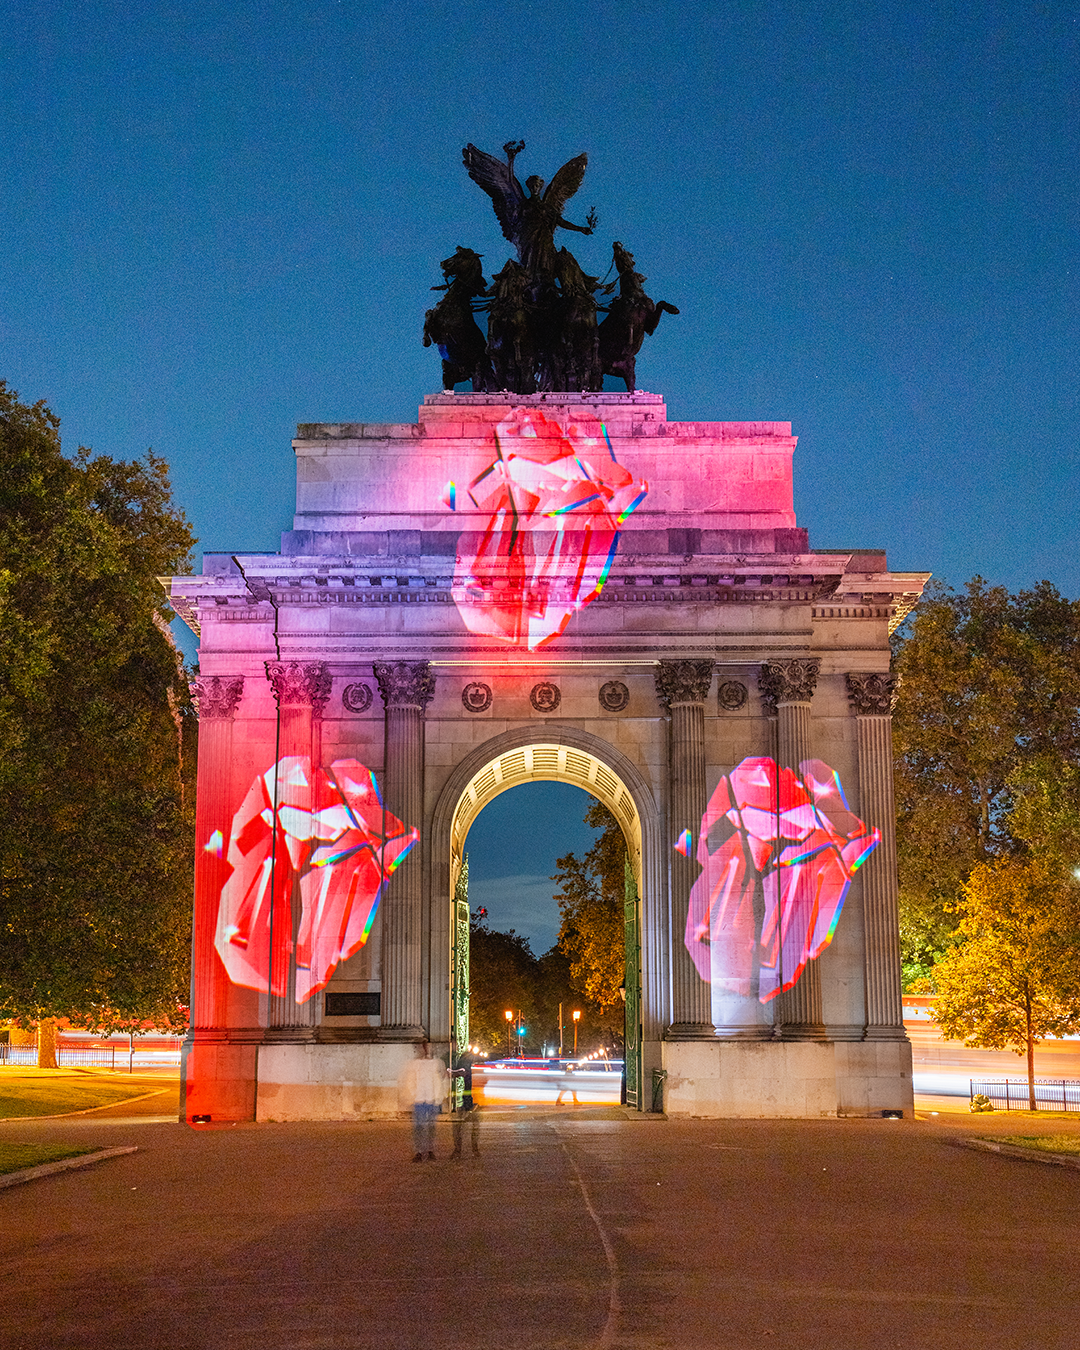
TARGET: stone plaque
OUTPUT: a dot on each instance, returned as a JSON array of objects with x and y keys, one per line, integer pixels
[
  {"x": 476, "y": 697},
  {"x": 614, "y": 696},
  {"x": 353, "y": 1005},
  {"x": 356, "y": 697},
  {"x": 545, "y": 696}
]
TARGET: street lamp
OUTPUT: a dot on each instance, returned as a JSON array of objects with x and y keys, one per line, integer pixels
[
  {"x": 509, "y": 1015},
  {"x": 577, "y": 1019}
]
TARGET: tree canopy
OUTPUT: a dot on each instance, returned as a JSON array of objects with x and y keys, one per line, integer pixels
[
  {"x": 1013, "y": 978},
  {"x": 988, "y": 707},
  {"x": 96, "y": 735}
]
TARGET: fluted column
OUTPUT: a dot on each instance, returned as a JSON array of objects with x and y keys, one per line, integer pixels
[
  {"x": 215, "y": 1001},
  {"x": 301, "y": 689},
  {"x": 871, "y": 698},
  {"x": 788, "y": 686},
  {"x": 682, "y": 688},
  {"x": 406, "y": 688}
]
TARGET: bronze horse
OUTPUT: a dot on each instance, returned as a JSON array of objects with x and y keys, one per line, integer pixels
[
  {"x": 632, "y": 316},
  {"x": 451, "y": 326}
]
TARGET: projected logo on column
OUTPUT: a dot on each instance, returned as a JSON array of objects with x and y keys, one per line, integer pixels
[
  {"x": 326, "y": 836},
  {"x": 777, "y": 851},
  {"x": 556, "y": 500}
]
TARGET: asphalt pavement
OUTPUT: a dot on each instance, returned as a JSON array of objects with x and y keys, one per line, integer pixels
[{"x": 574, "y": 1228}]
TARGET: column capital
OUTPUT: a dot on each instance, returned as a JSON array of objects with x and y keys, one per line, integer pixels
[
  {"x": 791, "y": 681},
  {"x": 683, "y": 682},
  {"x": 300, "y": 684},
  {"x": 217, "y": 696},
  {"x": 871, "y": 695},
  {"x": 405, "y": 684}
]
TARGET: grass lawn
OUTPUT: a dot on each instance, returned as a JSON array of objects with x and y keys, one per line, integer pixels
[
  {"x": 1049, "y": 1143},
  {"x": 14, "y": 1157},
  {"x": 54, "y": 1092}
]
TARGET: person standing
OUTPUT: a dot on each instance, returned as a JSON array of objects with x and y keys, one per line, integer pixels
[
  {"x": 466, "y": 1110},
  {"x": 423, "y": 1086}
]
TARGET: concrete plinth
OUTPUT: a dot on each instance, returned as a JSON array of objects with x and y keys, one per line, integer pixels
[
  {"x": 787, "y": 1079},
  {"x": 330, "y": 1082}
]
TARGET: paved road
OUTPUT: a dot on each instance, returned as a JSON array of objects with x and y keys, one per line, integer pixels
[{"x": 576, "y": 1230}]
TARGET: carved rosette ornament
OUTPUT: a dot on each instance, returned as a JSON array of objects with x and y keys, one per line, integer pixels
[
  {"x": 405, "y": 684},
  {"x": 300, "y": 684},
  {"x": 732, "y": 695},
  {"x": 871, "y": 695},
  {"x": 217, "y": 697},
  {"x": 791, "y": 681},
  {"x": 476, "y": 697},
  {"x": 356, "y": 698},
  {"x": 683, "y": 682},
  {"x": 614, "y": 696},
  {"x": 545, "y": 697}
]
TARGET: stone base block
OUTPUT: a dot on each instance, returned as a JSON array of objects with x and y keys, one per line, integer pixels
[
  {"x": 330, "y": 1082},
  {"x": 787, "y": 1079}
]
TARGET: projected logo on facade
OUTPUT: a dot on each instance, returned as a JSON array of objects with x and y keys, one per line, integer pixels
[
  {"x": 777, "y": 851},
  {"x": 323, "y": 837},
  {"x": 556, "y": 500}
]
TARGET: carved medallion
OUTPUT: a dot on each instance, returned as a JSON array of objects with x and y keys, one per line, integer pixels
[
  {"x": 731, "y": 695},
  {"x": 476, "y": 697},
  {"x": 614, "y": 696},
  {"x": 357, "y": 697},
  {"x": 545, "y": 696},
  {"x": 871, "y": 694}
]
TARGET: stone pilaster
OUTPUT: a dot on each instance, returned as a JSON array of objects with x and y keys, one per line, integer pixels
[
  {"x": 301, "y": 689},
  {"x": 682, "y": 688},
  {"x": 407, "y": 688},
  {"x": 788, "y": 687},
  {"x": 871, "y": 698}
]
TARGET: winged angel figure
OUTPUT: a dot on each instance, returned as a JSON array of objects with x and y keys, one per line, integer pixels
[{"x": 529, "y": 220}]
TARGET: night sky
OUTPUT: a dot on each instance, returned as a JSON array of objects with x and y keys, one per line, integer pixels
[{"x": 220, "y": 219}]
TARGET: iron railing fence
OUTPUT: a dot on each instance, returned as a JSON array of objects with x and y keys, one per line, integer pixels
[
  {"x": 97, "y": 1057},
  {"x": 1011, "y": 1094}
]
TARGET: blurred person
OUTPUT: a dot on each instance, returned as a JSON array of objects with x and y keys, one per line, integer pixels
[
  {"x": 466, "y": 1111},
  {"x": 423, "y": 1086}
]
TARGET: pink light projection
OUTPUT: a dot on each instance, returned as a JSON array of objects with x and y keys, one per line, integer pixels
[
  {"x": 341, "y": 853},
  {"x": 556, "y": 501},
  {"x": 777, "y": 851}
]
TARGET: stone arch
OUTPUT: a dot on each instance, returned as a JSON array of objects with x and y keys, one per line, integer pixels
[{"x": 550, "y": 753}]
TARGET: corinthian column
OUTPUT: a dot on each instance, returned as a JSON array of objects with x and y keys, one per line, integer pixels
[
  {"x": 682, "y": 688},
  {"x": 406, "y": 688},
  {"x": 871, "y": 698},
  {"x": 788, "y": 686},
  {"x": 215, "y": 1001},
  {"x": 301, "y": 689}
]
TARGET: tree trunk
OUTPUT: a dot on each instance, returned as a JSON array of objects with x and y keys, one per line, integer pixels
[
  {"x": 46, "y": 1043},
  {"x": 1030, "y": 1062}
]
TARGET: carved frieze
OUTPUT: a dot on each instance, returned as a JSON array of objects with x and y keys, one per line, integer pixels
[
  {"x": 614, "y": 696},
  {"x": 476, "y": 697},
  {"x": 871, "y": 694},
  {"x": 791, "y": 681},
  {"x": 217, "y": 697},
  {"x": 300, "y": 684},
  {"x": 356, "y": 698},
  {"x": 683, "y": 682},
  {"x": 405, "y": 684},
  {"x": 545, "y": 697}
]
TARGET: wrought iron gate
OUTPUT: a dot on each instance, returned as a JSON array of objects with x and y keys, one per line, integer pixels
[
  {"x": 632, "y": 985},
  {"x": 459, "y": 984}
]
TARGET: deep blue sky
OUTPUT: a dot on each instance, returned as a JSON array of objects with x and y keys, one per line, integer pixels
[{"x": 221, "y": 217}]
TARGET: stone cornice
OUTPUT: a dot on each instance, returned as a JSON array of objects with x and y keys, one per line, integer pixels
[
  {"x": 405, "y": 684},
  {"x": 683, "y": 682},
  {"x": 871, "y": 695},
  {"x": 791, "y": 681},
  {"x": 300, "y": 684},
  {"x": 217, "y": 697}
]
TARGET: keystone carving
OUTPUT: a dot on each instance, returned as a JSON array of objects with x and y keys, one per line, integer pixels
[
  {"x": 300, "y": 684},
  {"x": 870, "y": 694},
  {"x": 405, "y": 684},
  {"x": 217, "y": 696},
  {"x": 791, "y": 681},
  {"x": 683, "y": 682}
]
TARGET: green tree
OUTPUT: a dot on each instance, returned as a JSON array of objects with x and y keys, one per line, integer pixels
[
  {"x": 503, "y": 975},
  {"x": 1013, "y": 976},
  {"x": 989, "y": 686},
  {"x": 591, "y": 897},
  {"x": 96, "y": 744}
]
